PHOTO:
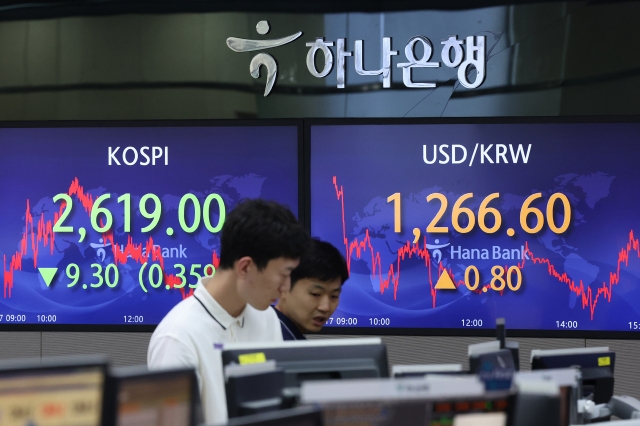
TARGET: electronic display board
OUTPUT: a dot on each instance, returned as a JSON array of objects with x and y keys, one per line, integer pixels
[
  {"x": 113, "y": 224},
  {"x": 447, "y": 225}
]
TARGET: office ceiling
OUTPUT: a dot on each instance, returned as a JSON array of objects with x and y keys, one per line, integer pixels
[{"x": 20, "y": 10}]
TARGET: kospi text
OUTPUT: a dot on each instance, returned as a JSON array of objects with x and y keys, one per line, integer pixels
[{"x": 131, "y": 155}]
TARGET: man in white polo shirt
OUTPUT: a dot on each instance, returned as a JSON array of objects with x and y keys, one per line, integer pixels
[{"x": 260, "y": 244}]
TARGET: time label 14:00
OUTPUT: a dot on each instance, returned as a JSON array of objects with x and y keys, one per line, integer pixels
[{"x": 150, "y": 207}]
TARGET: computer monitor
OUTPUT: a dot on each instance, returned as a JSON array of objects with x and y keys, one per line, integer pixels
[
  {"x": 486, "y": 411},
  {"x": 433, "y": 400},
  {"x": 596, "y": 365},
  {"x": 53, "y": 392},
  {"x": 148, "y": 398},
  {"x": 493, "y": 365},
  {"x": 254, "y": 388},
  {"x": 111, "y": 224},
  {"x": 300, "y": 416},
  {"x": 407, "y": 205},
  {"x": 538, "y": 403},
  {"x": 420, "y": 370},
  {"x": 319, "y": 359},
  {"x": 295, "y": 363},
  {"x": 568, "y": 383}
]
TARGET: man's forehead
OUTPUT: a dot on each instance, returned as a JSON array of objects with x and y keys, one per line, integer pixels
[
  {"x": 325, "y": 285},
  {"x": 284, "y": 262}
]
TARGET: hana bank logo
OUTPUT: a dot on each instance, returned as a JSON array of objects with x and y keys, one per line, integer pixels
[
  {"x": 243, "y": 45},
  {"x": 471, "y": 57},
  {"x": 436, "y": 254}
]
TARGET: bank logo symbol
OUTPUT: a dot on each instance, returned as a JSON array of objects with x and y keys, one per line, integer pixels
[
  {"x": 100, "y": 249},
  {"x": 245, "y": 45},
  {"x": 436, "y": 253}
]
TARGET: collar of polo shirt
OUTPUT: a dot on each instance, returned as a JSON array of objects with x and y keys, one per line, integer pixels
[{"x": 215, "y": 311}]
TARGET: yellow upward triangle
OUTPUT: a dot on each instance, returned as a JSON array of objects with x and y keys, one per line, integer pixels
[{"x": 445, "y": 282}]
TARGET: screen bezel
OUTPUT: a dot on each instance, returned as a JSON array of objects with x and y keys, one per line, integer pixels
[
  {"x": 304, "y": 208},
  {"x": 298, "y": 123},
  {"x": 71, "y": 364},
  {"x": 276, "y": 418},
  {"x": 121, "y": 376},
  {"x": 463, "y": 332},
  {"x": 321, "y": 350}
]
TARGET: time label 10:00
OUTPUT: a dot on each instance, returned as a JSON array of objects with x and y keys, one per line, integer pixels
[
  {"x": 102, "y": 218},
  {"x": 484, "y": 211},
  {"x": 23, "y": 318}
]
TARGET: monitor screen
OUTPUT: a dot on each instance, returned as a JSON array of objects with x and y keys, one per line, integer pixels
[
  {"x": 481, "y": 411},
  {"x": 115, "y": 225},
  {"x": 433, "y": 400},
  {"x": 567, "y": 380},
  {"x": 299, "y": 416},
  {"x": 421, "y": 370},
  {"x": 482, "y": 419},
  {"x": 596, "y": 366},
  {"x": 594, "y": 357},
  {"x": 320, "y": 359},
  {"x": 157, "y": 397},
  {"x": 448, "y": 225},
  {"x": 52, "y": 396}
]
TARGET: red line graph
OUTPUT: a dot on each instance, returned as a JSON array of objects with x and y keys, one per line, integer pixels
[
  {"x": 589, "y": 296},
  {"x": 41, "y": 234}
]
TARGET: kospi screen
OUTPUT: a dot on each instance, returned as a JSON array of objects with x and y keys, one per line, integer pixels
[
  {"x": 449, "y": 225},
  {"x": 115, "y": 225}
]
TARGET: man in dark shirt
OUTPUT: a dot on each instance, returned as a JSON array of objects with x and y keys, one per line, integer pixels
[{"x": 315, "y": 291}]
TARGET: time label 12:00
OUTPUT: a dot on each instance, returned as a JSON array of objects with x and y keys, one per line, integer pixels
[{"x": 150, "y": 207}]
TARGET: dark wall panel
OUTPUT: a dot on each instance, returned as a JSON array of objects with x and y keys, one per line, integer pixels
[
  {"x": 122, "y": 348},
  {"x": 23, "y": 344}
]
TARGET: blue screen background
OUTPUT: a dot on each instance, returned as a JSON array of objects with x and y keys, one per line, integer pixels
[
  {"x": 594, "y": 165},
  {"x": 38, "y": 163}
]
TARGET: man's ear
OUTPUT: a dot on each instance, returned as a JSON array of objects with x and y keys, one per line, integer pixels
[{"x": 242, "y": 266}]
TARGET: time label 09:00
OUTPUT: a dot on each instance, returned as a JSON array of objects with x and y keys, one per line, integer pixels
[
  {"x": 13, "y": 318},
  {"x": 23, "y": 318}
]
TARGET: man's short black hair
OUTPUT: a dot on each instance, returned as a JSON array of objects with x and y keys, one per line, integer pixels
[
  {"x": 262, "y": 230},
  {"x": 323, "y": 262}
]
